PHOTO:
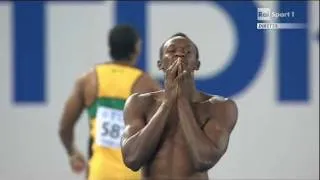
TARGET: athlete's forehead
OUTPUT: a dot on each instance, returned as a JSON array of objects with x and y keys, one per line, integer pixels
[{"x": 178, "y": 40}]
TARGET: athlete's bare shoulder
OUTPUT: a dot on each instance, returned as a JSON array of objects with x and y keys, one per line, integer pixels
[
  {"x": 227, "y": 104},
  {"x": 213, "y": 99},
  {"x": 87, "y": 83},
  {"x": 146, "y": 98},
  {"x": 87, "y": 75},
  {"x": 152, "y": 95},
  {"x": 139, "y": 103},
  {"x": 223, "y": 109},
  {"x": 219, "y": 99}
]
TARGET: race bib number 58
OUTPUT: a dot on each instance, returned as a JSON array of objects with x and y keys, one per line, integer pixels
[{"x": 110, "y": 126}]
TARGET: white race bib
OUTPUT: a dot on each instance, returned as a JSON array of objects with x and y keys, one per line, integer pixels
[{"x": 110, "y": 127}]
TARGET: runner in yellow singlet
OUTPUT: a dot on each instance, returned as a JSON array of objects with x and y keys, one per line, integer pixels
[{"x": 102, "y": 92}]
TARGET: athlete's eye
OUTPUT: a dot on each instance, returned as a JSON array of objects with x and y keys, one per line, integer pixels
[{"x": 171, "y": 50}]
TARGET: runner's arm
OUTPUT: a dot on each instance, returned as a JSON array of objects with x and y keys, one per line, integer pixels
[
  {"x": 72, "y": 110},
  {"x": 140, "y": 140}
]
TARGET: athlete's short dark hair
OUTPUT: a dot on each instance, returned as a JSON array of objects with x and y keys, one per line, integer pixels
[{"x": 122, "y": 41}]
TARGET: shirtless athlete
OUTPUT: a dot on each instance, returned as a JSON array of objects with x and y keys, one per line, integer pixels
[{"x": 178, "y": 132}]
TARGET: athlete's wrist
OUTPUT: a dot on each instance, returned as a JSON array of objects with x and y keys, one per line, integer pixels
[
  {"x": 167, "y": 103},
  {"x": 71, "y": 151}
]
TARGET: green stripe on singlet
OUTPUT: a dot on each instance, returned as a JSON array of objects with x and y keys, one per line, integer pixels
[
  {"x": 105, "y": 102},
  {"x": 92, "y": 111}
]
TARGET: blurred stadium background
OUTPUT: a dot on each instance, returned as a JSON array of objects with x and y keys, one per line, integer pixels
[{"x": 272, "y": 74}]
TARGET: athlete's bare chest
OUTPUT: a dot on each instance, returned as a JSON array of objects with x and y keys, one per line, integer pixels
[{"x": 199, "y": 112}]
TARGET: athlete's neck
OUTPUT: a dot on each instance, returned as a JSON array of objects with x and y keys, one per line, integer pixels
[{"x": 124, "y": 62}]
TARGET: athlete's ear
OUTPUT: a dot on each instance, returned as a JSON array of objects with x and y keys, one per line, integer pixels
[
  {"x": 160, "y": 64},
  {"x": 198, "y": 63},
  {"x": 137, "y": 47}
]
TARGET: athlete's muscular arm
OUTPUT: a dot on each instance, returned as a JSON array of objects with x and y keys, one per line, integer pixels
[
  {"x": 82, "y": 95},
  {"x": 139, "y": 141},
  {"x": 71, "y": 112},
  {"x": 207, "y": 146}
]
